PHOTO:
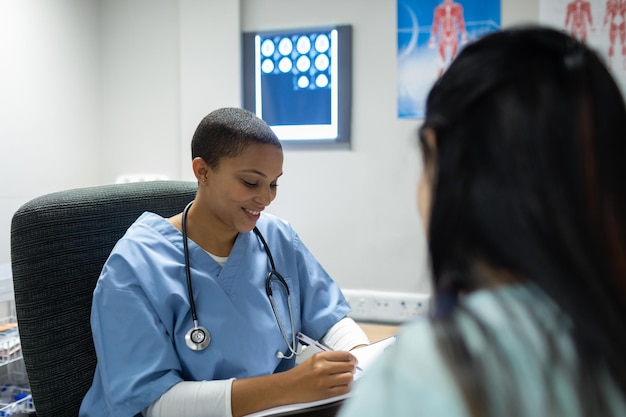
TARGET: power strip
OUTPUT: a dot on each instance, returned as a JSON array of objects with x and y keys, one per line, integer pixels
[{"x": 386, "y": 307}]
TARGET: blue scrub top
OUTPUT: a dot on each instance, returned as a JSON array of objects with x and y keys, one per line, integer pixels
[{"x": 141, "y": 312}]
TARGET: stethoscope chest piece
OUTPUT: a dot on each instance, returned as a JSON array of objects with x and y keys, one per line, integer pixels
[{"x": 197, "y": 338}]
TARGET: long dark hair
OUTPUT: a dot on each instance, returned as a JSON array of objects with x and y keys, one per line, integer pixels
[{"x": 531, "y": 179}]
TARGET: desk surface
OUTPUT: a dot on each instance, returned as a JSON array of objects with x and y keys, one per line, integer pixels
[{"x": 376, "y": 332}]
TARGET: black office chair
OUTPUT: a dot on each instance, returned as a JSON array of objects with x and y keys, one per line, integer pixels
[{"x": 59, "y": 243}]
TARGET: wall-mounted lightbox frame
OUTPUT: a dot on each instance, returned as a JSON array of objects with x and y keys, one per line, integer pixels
[{"x": 300, "y": 82}]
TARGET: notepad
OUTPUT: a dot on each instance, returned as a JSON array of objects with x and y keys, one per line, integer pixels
[{"x": 366, "y": 356}]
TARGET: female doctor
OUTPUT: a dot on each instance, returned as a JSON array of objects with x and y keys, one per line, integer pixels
[{"x": 229, "y": 349}]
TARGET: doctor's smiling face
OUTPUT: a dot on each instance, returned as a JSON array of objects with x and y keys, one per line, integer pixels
[
  {"x": 237, "y": 160},
  {"x": 239, "y": 188}
]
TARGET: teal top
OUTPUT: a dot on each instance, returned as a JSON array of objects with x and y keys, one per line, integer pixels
[{"x": 412, "y": 378}]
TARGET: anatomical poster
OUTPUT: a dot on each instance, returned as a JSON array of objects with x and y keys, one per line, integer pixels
[
  {"x": 430, "y": 34},
  {"x": 599, "y": 23}
]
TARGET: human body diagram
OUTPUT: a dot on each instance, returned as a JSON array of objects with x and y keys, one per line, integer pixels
[
  {"x": 577, "y": 18},
  {"x": 448, "y": 23},
  {"x": 614, "y": 20}
]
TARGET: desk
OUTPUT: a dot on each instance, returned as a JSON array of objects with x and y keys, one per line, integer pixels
[{"x": 376, "y": 332}]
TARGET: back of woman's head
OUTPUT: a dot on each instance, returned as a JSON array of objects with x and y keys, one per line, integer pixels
[
  {"x": 226, "y": 132},
  {"x": 530, "y": 148}
]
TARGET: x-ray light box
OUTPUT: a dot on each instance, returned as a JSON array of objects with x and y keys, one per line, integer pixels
[{"x": 299, "y": 82}]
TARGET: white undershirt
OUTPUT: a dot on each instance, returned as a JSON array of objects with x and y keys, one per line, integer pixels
[
  {"x": 213, "y": 398},
  {"x": 221, "y": 260}
]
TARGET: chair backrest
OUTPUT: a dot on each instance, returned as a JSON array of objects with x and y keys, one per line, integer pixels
[{"x": 59, "y": 243}]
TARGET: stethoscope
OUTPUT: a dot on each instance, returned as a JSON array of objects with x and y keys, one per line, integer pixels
[{"x": 198, "y": 337}]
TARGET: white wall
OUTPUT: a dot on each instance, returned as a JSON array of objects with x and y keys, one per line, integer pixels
[
  {"x": 140, "y": 87},
  {"x": 165, "y": 65},
  {"x": 209, "y": 65},
  {"x": 49, "y": 103},
  {"x": 117, "y": 86}
]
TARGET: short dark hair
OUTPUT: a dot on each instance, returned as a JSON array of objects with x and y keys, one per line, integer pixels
[{"x": 226, "y": 132}]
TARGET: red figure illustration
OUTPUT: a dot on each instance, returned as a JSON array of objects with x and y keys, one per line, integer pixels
[
  {"x": 447, "y": 23},
  {"x": 577, "y": 17},
  {"x": 615, "y": 14}
]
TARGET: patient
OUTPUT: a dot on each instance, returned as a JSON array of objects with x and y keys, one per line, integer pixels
[{"x": 523, "y": 196}]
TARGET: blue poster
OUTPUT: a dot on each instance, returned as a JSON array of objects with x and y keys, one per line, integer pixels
[{"x": 430, "y": 34}]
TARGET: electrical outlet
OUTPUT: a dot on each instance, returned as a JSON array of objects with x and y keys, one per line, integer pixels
[{"x": 386, "y": 307}]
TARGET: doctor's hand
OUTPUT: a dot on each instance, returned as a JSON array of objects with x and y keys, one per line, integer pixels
[{"x": 323, "y": 375}]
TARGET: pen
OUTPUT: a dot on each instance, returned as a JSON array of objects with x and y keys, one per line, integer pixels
[{"x": 307, "y": 341}]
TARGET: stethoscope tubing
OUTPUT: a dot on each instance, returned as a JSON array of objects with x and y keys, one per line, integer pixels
[
  {"x": 192, "y": 303},
  {"x": 198, "y": 337}
]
